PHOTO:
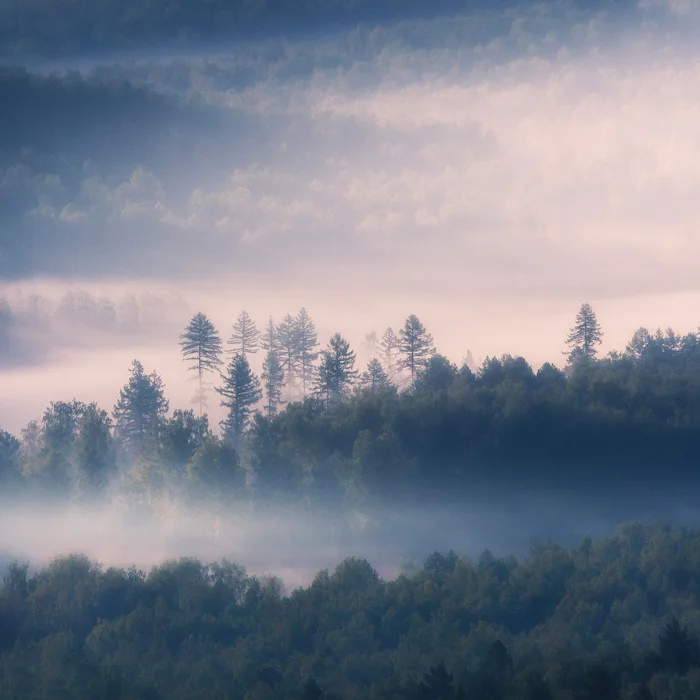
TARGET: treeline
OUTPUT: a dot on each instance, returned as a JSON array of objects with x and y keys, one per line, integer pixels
[
  {"x": 614, "y": 619},
  {"x": 314, "y": 426}
]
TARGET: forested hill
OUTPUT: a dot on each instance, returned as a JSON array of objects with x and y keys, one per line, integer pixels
[
  {"x": 610, "y": 619},
  {"x": 314, "y": 428}
]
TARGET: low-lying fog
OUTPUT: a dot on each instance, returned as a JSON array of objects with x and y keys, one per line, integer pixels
[{"x": 294, "y": 544}]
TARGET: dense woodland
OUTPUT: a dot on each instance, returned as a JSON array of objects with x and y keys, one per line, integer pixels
[
  {"x": 615, "y": 619},
  {"x": 314, "y": 426}
]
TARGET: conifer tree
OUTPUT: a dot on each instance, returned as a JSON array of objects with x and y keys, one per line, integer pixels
[
  {"x": 269, "y": 340},
  {"x": 273, "y": 381},
  {"x": 245, "y": 339},
  {"x": 415, "y": 345},
  {"x": 374, "y": 378},
  {"x": 584, "y": 336},
  {"x": 240, "y": 391},
  {"x": 389, "y": 352},
  {"x": 140, "y": 410},
  {"x": 288, "y": 349},
  {"x": 307, "y": 342},
  {"x": 201, "y": 345},
  {"x": 336, "y": 372}
]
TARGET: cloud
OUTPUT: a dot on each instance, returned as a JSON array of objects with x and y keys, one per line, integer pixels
[{"x": 529, "y": 151}]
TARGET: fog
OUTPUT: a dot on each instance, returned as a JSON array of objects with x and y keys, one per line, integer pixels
[{"x": 294, "y": 543}]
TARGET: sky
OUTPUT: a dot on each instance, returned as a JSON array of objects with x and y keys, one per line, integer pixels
[{"x": 486, "y": 166}]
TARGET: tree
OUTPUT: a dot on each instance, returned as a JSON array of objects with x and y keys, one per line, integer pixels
[
  {"x": 214, "y": 468},
  {"x": 181, "y": 436},
  {"x": 416, "y": 345},
  {"x": 584, "y": 336},
  {"x": 240, "y": 392},
  {"x": 374, "y": 378},
  {"x": 273, "y": 381},
  {"x": 389, "y": 352},
  {"x": 140, "y": 410},
  {"x": 437, "y": 375},
  {"x": 201, "y": 345},
  {"x": 337, "y": 370},
  {"x": 307, "y": 342},
  {"x": 245, "y": 339},
  {"x": 9, "y": 457},
  {"x": 288, "y": 349},
  {"x": 94, "y": 451}
]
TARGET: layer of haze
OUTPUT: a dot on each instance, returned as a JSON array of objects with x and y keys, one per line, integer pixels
[
  {"x": 488, "y": 171},
  {"x": 294, "y": 544}
]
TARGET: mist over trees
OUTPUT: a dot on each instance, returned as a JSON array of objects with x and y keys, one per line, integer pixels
[{"x": 410, "y": 420}]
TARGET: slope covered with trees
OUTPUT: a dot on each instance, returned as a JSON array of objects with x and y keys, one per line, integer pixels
[
  {"x": 607, "y": 620},
  {"x": 316, "y": 426}
]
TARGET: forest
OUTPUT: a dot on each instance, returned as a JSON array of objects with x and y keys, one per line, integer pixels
[
  {"x": 611, "y": 619},
  {"x": 315, "y": 428}
]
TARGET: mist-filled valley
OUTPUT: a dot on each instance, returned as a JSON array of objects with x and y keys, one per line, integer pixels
[{"x": 349, "y": 350}]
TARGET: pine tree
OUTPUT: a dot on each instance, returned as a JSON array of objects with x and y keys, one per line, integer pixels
[
  {"x": 269, "y": 340},
  {"x": 416, "y": 346},
  {"x": 140, "y": 410},
  {"x": 288, "y": 349},
  {"x": 336, "y": 371},
  {"x": 273, "y": 381},
  {"x": 389, "y": 352},
  {"x": 307, "y": 342},
  {"x": 201, "y": 345},
  {"x": 240, "y": 392},
  {"x": 584, "y": 336},
  {"x": 245, "y": 339},
  {"x": 374, "y": 378}
]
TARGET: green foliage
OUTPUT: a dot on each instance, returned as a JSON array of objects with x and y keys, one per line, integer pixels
[
  {"x": 455, "y": 628},
  {"x": 240, "y": 391},
  {"x": 336, "y": 372},
  {"x": 139, "y": 413}
]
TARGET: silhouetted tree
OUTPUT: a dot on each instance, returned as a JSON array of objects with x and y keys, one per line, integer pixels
[
  {"x": 374, "y": 378},
  {"x": 307, "y": 342},
  {"x": 240, "y": 391},
  {"x": 94, "y": 451},
  {"x": 201, "y": 345},
  {"x": 389, "y": 352},
  {"x": 245, "y": 339},
  {"x": 415, "y": 345},
  {"x": 273, "y": 381},
  {"x": 181, "y": 436},
  {"x": 336, "y": 371},
  {"x": 288, "y": 348},
  {"x": 585, "y": 336},
  {"x": 139, "y": 413}
]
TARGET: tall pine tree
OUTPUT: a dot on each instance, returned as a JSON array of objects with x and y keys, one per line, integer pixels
[
  {"x": 585, "y": 336},
  {"x": 245, "y": 339},
  {"x": 336, "y": 372},
  {"x": 273, "y": 381},
  {"x": 140, "y": 410},
  {"x": 201, "y": 346},
  {"x": 240, "y": 391},
  {"x": 415, "y": 345},
  {"x": 389, "y": 352},
  {"x": 288, "y": 348},
  {"x": 307, "y": 342},
  {"x": 374, "y": 378}
]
